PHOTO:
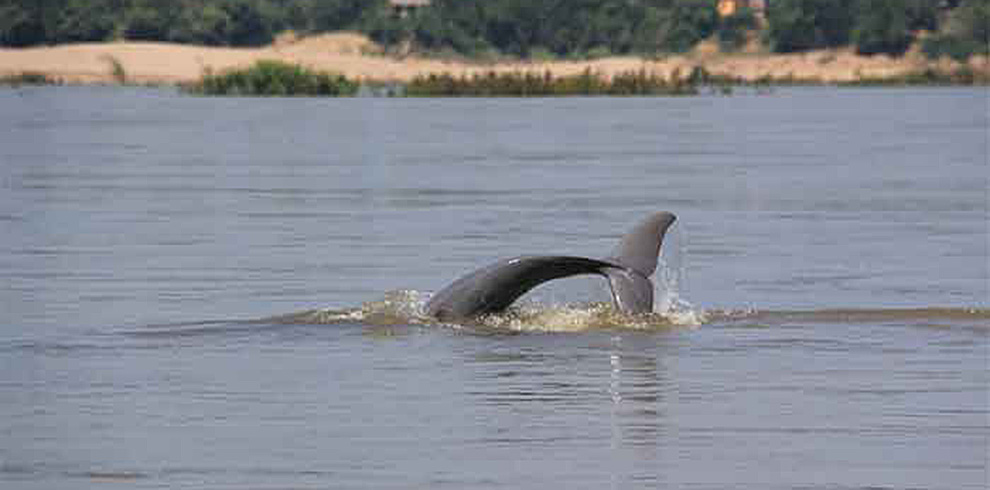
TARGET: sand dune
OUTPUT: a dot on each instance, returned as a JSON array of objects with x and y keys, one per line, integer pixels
[{"x": 357, "y": 57}]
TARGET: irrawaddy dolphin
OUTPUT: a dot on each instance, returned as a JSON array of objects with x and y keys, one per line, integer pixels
[{"x": 493, "y": 288}]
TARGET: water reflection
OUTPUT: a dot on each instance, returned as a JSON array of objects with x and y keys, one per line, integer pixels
[
  {"x": 637, "y": 385},
  {"x": 615, "y": 384}
]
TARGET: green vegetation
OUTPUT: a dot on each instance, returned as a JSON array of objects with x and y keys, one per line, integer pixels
[
  {"x": 530, "y": 84},
  {"x": 541, "y": 29},
  {"x": 476, "y": 28},
  {"x": 27, "y": 78},
  {"x": 117, "y": 70},
  {"x": 274, "y": 78},
  {"x": 928, "y": 77},
  {"x": 733, "y": 29},
  {"x": 963, "y": 75},
  {"x": 967, "y": 32},
  {"x": 877, "y": 26},
  {"x": 800, "y": 25},
  {"x": 883, "y": 27}
]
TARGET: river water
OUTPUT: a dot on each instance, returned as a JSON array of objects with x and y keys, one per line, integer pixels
[{"x": 228, "y": 293}]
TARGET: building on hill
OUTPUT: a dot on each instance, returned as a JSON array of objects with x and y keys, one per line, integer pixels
[
  {"x": 402, "y": 8},
  {"x": 729, "y": 7}
]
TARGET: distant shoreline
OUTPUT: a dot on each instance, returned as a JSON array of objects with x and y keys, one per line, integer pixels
[{"x": 357, "y": 58}]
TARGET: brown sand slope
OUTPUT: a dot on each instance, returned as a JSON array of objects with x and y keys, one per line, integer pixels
[{"x": 357, "y": 57}]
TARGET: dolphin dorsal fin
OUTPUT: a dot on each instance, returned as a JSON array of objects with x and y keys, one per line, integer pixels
[{"x": 640, "y": 247}]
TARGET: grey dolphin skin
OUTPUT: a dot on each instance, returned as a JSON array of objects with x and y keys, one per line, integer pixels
[{"x": 493, "y": 288}]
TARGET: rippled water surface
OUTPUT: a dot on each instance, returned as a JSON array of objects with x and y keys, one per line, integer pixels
[{"x": 228, "y": 293}]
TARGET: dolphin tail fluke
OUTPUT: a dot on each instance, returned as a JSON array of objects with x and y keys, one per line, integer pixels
[
  {"x": 640, "y": 247},
  {"x": 632, "y": 293},
  {"x": 637, "y": 253}
]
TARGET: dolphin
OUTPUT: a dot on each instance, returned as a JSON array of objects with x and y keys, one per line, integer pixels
[{"x": 493, "y": 288}]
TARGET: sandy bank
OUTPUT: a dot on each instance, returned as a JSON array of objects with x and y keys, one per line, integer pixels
[{"x": 357, "y": 57}]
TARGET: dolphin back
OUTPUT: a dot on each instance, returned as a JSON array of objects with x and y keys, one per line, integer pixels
[{"x": 495, "y": 287}]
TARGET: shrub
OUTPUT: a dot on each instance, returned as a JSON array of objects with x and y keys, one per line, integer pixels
[
  {"x": 530, "y": 84},
  {"x": 954, "y": 47},
  {"x": 27, "y": 78},
  {"x": 274, "y": 78},
  {"x": 117, "y": 70}
]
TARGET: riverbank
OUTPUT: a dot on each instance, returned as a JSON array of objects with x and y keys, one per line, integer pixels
[{"x": 358, "y": 58}]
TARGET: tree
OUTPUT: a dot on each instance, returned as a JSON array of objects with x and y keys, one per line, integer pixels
[
  {"x": 732, "y": 29},
  {"x": 28, "y": 22},
  {"x": 252, "y": 22},
  {"x": 148, "y": 21},
  {"x": 966, "y": 32},
  {"x": 922, "y": 14},
  {"x": 972, "y": 21},
  {"x": 208, "y": 26},
  {"x": 800, "y": 25},
  {"x": 882, "y": 27},
  {"x": 648, "y": 38},
  {"x": 332, "y": 15},
  {"x": 20, "y": 26},
  {"x": 85, "y": 21}
]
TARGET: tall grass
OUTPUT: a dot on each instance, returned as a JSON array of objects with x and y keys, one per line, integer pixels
[
  {"x": 963, "y": 76},
  {"x": 117, "y": 71},
  {"x": 28, "y": 78},
  {"x": 273, "y": 79},
  {"x": 530, "y": 84}
]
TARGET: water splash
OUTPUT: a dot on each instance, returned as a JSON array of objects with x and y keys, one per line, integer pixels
[
  {"x": 669, "y": 279},
  {"x": 581, "y": 317},
  {"x": 407, "y": 307},
  {"x": 671, "y": 310},
  {"x": 534, "y": 317},
  {"x": 396, "y": 307}
]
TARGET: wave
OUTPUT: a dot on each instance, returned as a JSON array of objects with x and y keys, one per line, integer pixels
[{"x": 977, "y": 319}]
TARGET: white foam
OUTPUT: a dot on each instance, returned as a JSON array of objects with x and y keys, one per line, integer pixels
[{"x": 409, "y": 307}]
